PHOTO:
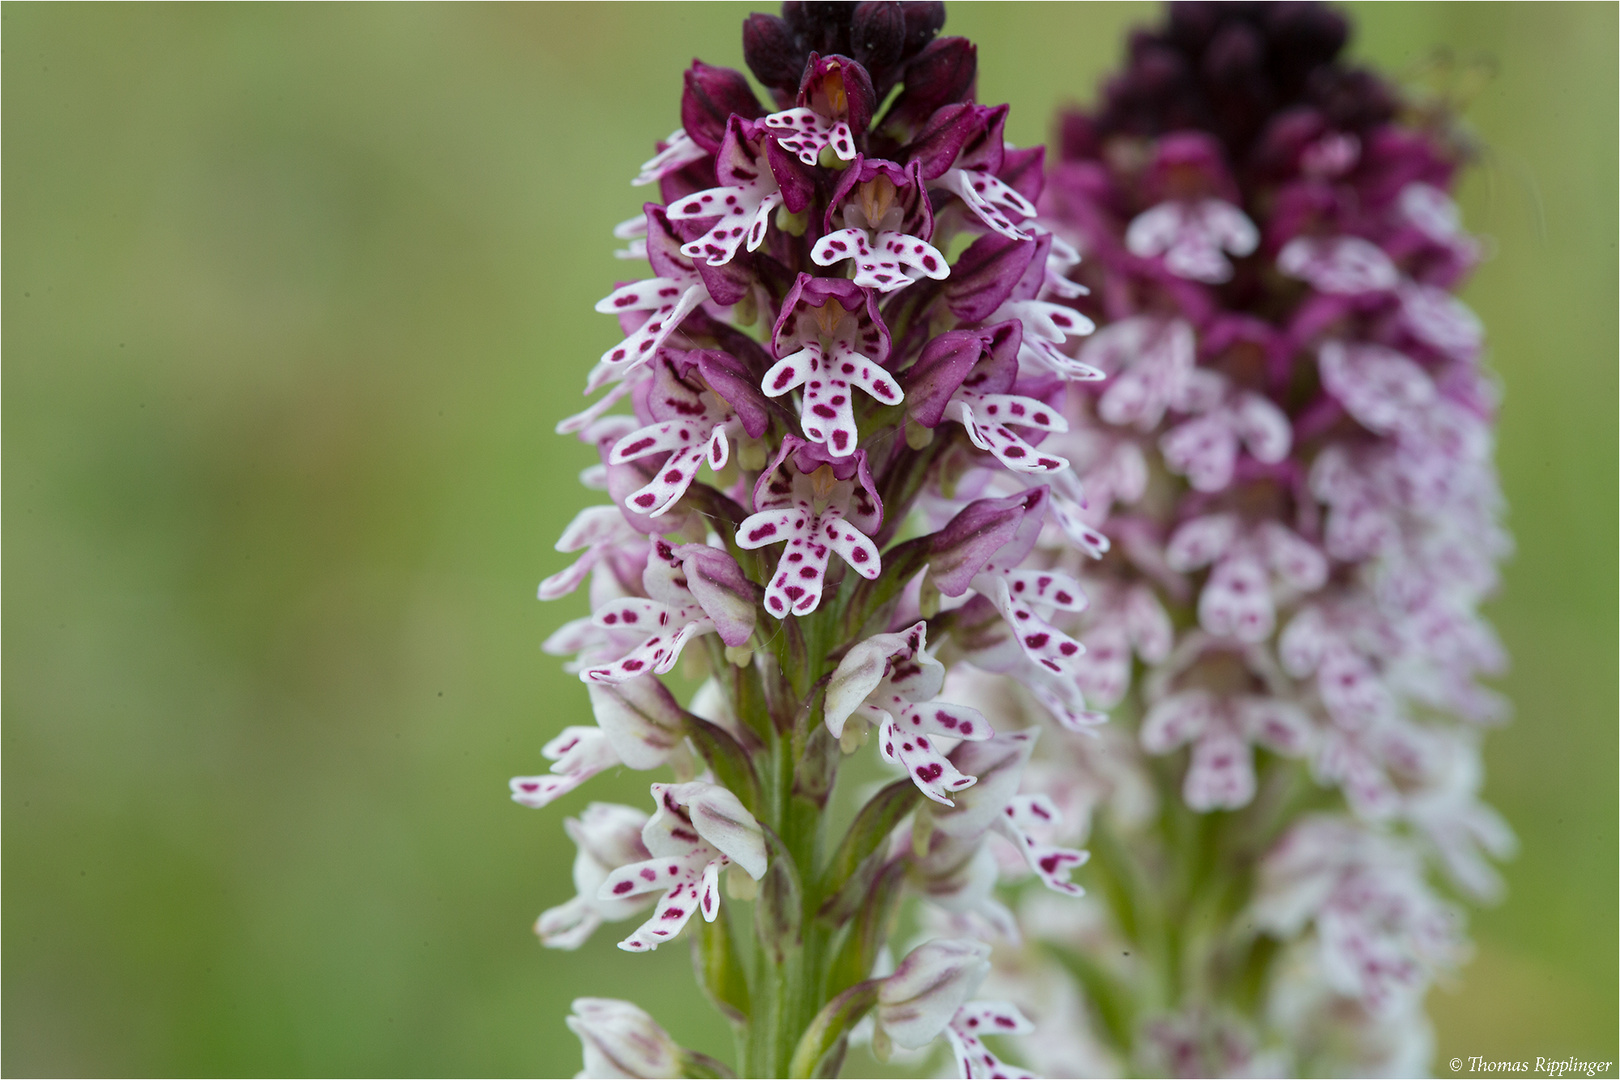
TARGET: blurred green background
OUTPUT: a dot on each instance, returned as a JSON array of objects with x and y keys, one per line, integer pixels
[{"x": 294, "y": 295}]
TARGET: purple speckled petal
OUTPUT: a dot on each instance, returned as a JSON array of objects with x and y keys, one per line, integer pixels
[
  {"x": 932, "y": 772},
  {"x": 1236, "y": 601},
  {"x": 1051, "y": 864},
  {"x": 851, "y": 545},
  {"x": 973, "y": 1059},
  {"x": 1042, "y": 642}
]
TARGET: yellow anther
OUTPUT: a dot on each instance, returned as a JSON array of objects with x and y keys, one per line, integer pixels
[
  {"x": 822, "y": 483},
  {"x": 837, "y": 96},
  {"x": 828, "y": 316},
  {"x": 876, "y": 196}
]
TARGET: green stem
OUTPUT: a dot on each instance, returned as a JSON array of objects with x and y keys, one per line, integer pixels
[{"x": 791, "y": 944}]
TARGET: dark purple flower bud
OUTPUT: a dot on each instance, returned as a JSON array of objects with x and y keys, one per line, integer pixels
[
  {"x": 937, "y": 145},
  {"x": 1024, "y": 171},
  {"x": 1224, "y": 68},
  {"x": 664, "y": 244},
  {"x": 1234, "y": 56},
  {"x": 772, "y": 54},
  {"x": 1192, "y": 24},
  {"x": 726, "y": 284},
  {"x": 997, "y": 369},
  {"x": 792, "y": 176},
  {"x": 985, "y": 147},
  {"x": 959, "y": 551},
  {"x": 819, "y": 25},
  {"x": 712, "y": 95},
  {"x": 984, "y": 360},
  {"x": 924, "y": 19},
  {"x": 1351, "y": 100},
  {"x": 877, "y": 35},
  {"x": 942, "y": 74},
  {"x": 1300, "y": 37}
]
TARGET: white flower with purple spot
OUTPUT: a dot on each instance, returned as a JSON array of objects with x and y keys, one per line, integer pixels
[
  {"x": 670, "y": 615},
  {"x": 1205, "y": 448},
  {"x": 740, "y": 207},
  {"x": 578, "y": 753},
  {"x": 621, "y": 1040},
  {"x": 698, "y": 830},
  {"x": 1346, "y": 265},
  {"x": 965, "y": 1032},
  {"x": 679, "y": 151},
  {"x": 607, "y": 836},
  {"x": 885, "y": 261},
  {"x": 1255, "y": 569},
  {"x": 1194, "y": 237},
  {"x": 830, "y": 341},
  {"x": 806, "y": 133},
  {"x": 668, "y": 298},
  {"x": 992, "y": 200},
  {"x": 812, "y": 516},
  {"x": 1047, "y": 326},
  {"x": 703, "y": 436},
  {"x": 605, "y": 537},
  {"x": 891, "y": 682},
  {"x": 990, "y": 418},
  {"x": 1220, "y": 729},
  {"x": 1027, "y": 599},
  {"x": 1151, "y": 360}
]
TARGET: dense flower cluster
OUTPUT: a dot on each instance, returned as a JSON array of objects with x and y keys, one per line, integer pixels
[
  {"x": 874, "y": 480},
  {"x": 1293, "y": 456},
  {"x": 844, "y": 380}
]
